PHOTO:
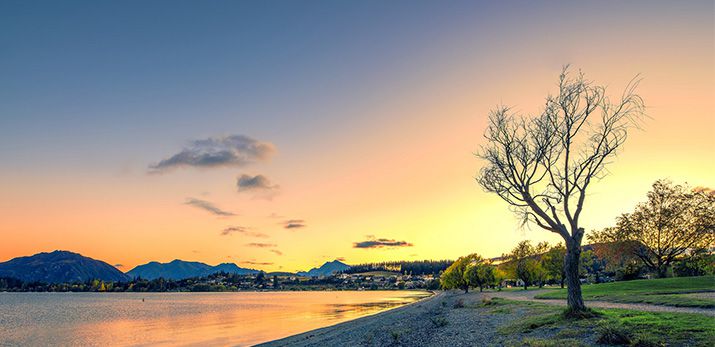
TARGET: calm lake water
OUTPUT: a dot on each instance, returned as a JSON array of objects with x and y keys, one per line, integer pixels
[{"x": 185, "y": 319}]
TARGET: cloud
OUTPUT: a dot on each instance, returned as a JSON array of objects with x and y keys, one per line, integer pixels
[
  {"x": 118, "y": 265},
  {"x": 294, "y": 224},
  {"x": 275, "y": 216},
  {"x": 207, "y": 206},
  {"x": 340, "y": 259},
  {"x": 251, "y": 262},
  {"x": 276, "y": 251},
  {"x": 232, "y": 150},
  {"x": 261, "y": 245},
  {"x": 381, "y": 243},
  {"x": 242, "y": 230},
  {"x": 252, "y": 183}
]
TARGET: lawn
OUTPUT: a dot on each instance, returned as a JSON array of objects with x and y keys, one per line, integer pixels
[
  {"x": 665, "y": 291},
  {"x": 546, "y": 325}
]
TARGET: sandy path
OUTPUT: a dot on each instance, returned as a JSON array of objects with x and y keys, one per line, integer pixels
[{"x": 530, "y": 294}]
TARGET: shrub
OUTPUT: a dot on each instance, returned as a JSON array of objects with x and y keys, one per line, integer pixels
[
  {"x": 439, "y": 321},
  {"x": 459, "y": 303},
  {"x": 613, "y": 335}
]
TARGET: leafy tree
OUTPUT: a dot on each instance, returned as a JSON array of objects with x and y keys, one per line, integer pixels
[
  {"x": 479, "y": 273},
  {"x": 454, "y": 277},
  {"x": 618, "y": 257},
  {"x": 498, "y": 276},
  {"x": 674, "y": 220},
  {"x": 553, "y": 263},
  {"x": 591, "y": 265},
  {"x": 542, "y": 166},
  {"x": 701, "y": 262},
  {"x": 523, "y": 262}
]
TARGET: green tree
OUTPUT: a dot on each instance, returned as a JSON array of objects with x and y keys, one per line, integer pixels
[
  {"x": 673, "y": 221},
  {"x": 454, "y": 276},
  {"x": 479, "y": 273},
  {"x": 499, "y": 275},
  {"x": 543, "y": 166},
  {"x": 553, "y": 263},
  {"x": 523, "y": 262}
]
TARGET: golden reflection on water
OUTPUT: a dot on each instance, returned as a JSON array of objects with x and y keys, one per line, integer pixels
[{"x": 185, "y": 319}]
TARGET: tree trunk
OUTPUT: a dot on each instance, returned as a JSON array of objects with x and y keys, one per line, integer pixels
[
  {"x": 563, "y": 278},
  {"x": 480, "y": 288},
  {"x": 525, "y": 285},
  {"x": 662, "y": 270},
  {"x": 574, "y": 298},
  {"x": 466, "y": 289}
]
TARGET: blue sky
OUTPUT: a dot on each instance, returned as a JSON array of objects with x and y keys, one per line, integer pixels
[{"x": 374, "y": 109}]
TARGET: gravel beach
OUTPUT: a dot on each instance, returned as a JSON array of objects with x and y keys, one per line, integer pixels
[{"x": 435, "y": 321}]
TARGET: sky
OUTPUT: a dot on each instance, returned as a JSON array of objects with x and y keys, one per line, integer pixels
[{"x": 278, "y": 135}]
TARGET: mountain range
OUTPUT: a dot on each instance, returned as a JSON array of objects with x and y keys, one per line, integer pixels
[
  {"x": 326, "y": 269},
  {"x": 69, "y": 267},
  {"x": 179, "y": 269},
  {"x": 60, "y": 267}
]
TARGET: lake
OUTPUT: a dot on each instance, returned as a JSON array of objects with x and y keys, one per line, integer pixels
[{"x": 185, "y": 319}]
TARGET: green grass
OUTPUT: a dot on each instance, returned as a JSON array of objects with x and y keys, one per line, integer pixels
[
  {"x": 674, "y": 329},
  {"x": 641, "y": 328},
  {"x": 665, "y": 291}
]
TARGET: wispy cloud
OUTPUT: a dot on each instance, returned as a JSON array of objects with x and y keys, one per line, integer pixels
[
  {"x": 340, "y": 259},
  {"x": 294, "y": 224},
  {"x": 381, "y": 243},
  {"x": 232, "y": 150},
  {"x": 261, "y": 245},
  {"x": 242, "y": 230},
  {"x": 207, "y": 206},
  {"x": 251, "y": 262},
  {"x": 276, "y": 251},
  {"x": 118, "y": 265},
  {"x": 275, "y": 216}
]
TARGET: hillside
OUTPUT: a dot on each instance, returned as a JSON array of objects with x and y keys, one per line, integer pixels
[
  {"x": 60, "y": 267},
  {"x": 180, "y": 269}
]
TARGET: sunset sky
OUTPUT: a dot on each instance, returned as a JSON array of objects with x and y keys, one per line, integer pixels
[{"x": 282, "y": 134}]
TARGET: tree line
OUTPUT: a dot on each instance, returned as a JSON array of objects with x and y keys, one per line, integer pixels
[
  {"x": 419, "y": 267},
  {"x": 669, "y": 234}
]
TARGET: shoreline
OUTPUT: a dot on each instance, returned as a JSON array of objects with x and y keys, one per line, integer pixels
[{"x": 292, "y": 339}]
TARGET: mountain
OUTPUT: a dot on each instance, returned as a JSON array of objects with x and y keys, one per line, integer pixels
[
  {"x": 60, "y": 267},
  {"x": 326, "y": 269},
  {"x": 179, "y": 269},
  {"x": 232, "y": 269}
]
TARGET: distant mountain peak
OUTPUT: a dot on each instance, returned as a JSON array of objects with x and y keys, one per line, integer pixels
[
  {"x": 178, "y": 269},
  {"x": 327, "y": 269},
  {"x": 60, "y": 266}
]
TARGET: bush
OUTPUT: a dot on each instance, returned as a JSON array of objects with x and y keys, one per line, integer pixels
[
  {"x": 700, "y": 263},
  {"x": 613, "y": 335},
  {"x": 439, "y": 321},
  {"x": 459, "y": 303}
]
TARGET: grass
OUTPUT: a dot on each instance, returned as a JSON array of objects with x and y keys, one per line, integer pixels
[
  {"x": 665, "y": 291},
  {"x": 628, "y": 327}
]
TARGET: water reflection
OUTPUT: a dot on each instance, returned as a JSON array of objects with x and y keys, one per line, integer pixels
[{"x": 92, "y": 319}]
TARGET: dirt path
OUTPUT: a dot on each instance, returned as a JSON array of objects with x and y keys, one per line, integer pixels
[{"x": 530, "y": 294}]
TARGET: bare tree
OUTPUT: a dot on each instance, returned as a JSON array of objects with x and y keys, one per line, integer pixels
[
  {"x": 674, "y": 220},
  {"x": 543, "y": 165}
]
